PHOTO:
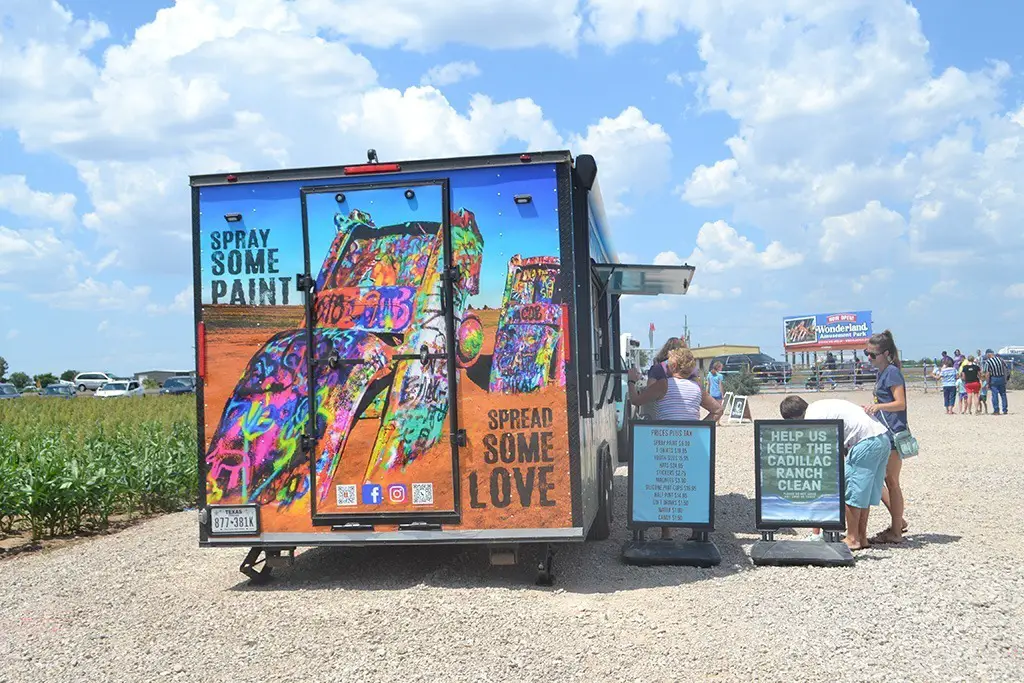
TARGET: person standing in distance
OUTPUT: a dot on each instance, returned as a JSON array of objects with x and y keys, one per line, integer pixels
[
  {"x": 971, "y": 374},
  {"x": 889, "y": 408},
  {"x": 715, "y": 378},
  {"x": 997, "y": 370}
]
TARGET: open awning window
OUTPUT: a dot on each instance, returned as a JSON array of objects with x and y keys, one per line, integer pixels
[{"x": 644, "y": 280}]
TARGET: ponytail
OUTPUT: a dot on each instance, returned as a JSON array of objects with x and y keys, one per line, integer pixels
[{"x": 885, "y": 343}]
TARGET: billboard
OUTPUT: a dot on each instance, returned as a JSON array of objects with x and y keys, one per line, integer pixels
[{"x": 824, "y": 331}]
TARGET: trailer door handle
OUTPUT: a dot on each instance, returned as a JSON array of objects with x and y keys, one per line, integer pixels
[{"x": 419, "y": 526}]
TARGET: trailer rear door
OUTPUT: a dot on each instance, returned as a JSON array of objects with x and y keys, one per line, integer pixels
[{"x": 383, "y": 380}]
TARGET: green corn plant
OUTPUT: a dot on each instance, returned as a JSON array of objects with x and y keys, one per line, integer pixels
[{"x": 70, "y": 465}]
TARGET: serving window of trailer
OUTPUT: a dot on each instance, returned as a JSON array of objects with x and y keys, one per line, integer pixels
[
  {"x": 618, "y": 279},
  {"x": 602, "y": 329}
]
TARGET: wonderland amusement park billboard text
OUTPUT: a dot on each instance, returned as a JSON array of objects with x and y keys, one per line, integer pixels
[{"x": 824, "y": 331}]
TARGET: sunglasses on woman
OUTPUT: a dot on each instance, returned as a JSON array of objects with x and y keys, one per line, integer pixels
[{"x": 871, "y": 355}]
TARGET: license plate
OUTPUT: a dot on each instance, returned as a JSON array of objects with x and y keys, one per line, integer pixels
[{"x": 233, "y": 521}]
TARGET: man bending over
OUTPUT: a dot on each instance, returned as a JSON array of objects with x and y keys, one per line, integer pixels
[{"x": 867, "y": 453}]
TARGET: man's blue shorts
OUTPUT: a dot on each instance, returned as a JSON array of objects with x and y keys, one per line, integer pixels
[{"x": 865, "y": 471}]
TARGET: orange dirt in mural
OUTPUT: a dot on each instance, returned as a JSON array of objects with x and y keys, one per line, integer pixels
[
  {"x": 233, "y": 336},
  {"x": 529, "y": 492}
]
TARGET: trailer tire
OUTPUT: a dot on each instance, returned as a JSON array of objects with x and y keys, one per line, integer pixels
[{"x": 602, "y": 527}]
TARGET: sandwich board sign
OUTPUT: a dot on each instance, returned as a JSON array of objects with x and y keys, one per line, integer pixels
[
  {"x": 672, "y": 484},
  {"x": 799, "y": 483},
  {"x": 737, "y": 410}
]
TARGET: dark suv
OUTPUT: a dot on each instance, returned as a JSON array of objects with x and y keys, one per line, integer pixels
[
  {"x": 174, "y": 386},
  {"x": 763, "y": 366}
]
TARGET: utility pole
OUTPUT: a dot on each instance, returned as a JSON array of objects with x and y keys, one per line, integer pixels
[{"x": 686, "y": 330}]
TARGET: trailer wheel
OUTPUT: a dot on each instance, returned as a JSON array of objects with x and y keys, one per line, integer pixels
[{"x": 602, "y": 527}]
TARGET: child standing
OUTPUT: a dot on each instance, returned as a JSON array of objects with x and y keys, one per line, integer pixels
[
  {"x": 961, "y": 391},
  {"x": 983, "y": 396},
  {"x": 949, "y": 383}
]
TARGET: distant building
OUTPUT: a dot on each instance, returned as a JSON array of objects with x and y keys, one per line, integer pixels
[
  {"x": 161, "y": 376},
  {"x": 704, "y": 354}
]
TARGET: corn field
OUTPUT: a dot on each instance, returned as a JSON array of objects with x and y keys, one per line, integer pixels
[{"x": 70, "y": 465}]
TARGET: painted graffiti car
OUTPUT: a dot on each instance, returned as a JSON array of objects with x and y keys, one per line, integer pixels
[
  {"x": 377, "y": 330},
  {"x": 528, "y": 351}
]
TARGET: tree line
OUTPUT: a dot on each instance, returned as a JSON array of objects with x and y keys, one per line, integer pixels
[{"x": 22, "y": 379}]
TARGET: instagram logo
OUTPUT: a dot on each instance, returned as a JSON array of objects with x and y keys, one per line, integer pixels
[{"x": 397, "y": 493}]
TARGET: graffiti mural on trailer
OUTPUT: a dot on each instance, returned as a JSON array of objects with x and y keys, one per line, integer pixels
[{"x": 380, "y": 343}]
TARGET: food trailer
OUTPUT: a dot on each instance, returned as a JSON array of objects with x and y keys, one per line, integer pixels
[{"x": 409, "y": 353}]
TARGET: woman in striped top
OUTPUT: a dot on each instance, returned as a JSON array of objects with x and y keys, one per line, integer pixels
[{"x": 676, "y": 397}]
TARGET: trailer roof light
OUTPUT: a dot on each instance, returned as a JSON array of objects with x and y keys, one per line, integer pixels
[
  {"x": 372, "y": 168},
  {"x": 233, "y": 217},
  {"x": 523, "y": 198},
  {"x": 232, "y": 178},
  {"x": 525, "y": 158}
]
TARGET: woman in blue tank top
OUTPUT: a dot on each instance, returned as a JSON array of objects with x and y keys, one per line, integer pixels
[{"x": 889, "y": 408}]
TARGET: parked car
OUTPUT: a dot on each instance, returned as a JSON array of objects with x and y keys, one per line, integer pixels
[
  {"x": 58, "y": 391},
  {"x": 119, "y": 389},
  {"x": 178, "y": 385},
  {"x": 1014, "y": 360},
  {"x": 863, "y": 370},
  {"x": 8, "y": 391},
  {"x": 91, "y": 381},
  {"x": 763, "y": 366}
]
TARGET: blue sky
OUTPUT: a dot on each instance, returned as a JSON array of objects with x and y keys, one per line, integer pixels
[{"x": 803, "y": 158}]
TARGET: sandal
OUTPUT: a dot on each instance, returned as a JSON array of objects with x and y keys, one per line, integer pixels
[{"x": 884, "y": 537}]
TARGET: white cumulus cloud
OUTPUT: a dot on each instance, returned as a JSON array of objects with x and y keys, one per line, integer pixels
[
  {"x": 450, "y": 73},
  {"x": 633, "y": 155},
  {"x": 18, "y": 198}
]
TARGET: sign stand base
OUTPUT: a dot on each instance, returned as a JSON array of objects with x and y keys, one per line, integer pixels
[
  {"x": 828, "y": 553},
  {"x": 699, "y": 552}
]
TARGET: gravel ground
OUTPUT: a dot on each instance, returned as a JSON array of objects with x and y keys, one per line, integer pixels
[{"x": 147, "y": 604}]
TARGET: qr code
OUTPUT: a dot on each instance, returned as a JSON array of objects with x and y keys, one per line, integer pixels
[
  {"x": 346, "y": 494},
  {"x": 423, "y": 494}
]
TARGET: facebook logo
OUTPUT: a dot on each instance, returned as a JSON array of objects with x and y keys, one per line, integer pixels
[{"x": 372, "y": 494}]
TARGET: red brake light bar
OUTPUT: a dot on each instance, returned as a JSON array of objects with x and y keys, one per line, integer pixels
[
  {"x": 372, "y": 168},
  {"x": 201, "y": 343}
]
